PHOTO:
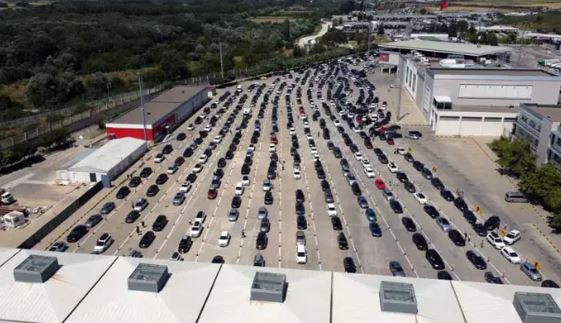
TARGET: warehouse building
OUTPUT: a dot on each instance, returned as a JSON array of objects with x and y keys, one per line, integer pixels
[
  {"x": 539, "y": 125},
  {"x": 161, "y": 114},
  {"x": 105, "y": 163},
  {"x": 478, "y": 101},
  {"x": 40, "y": 286}
]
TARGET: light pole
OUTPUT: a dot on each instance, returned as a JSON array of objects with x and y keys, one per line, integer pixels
[
  {"x": 142, "y": 109},
  {"x": 108, "y": 84},
  {"x": 221, "y": 63}
]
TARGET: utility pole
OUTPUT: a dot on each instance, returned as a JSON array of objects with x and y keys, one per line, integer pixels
[
  {"x": 221, "y": 63},
  {"x": 369, "y": 32},
  {"x": 399, "y": 95},
  {"x": 142, "y": 108},
  {"x": 107, "y": 100}
]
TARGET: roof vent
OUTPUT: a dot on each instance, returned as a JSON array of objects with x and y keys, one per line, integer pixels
[
  {"x": 269, "y": 287},
  {"x": 148, "y": 278},
  {"x": 36, "y": 269},
  {"x": 398, "y": 297},
  {"x": 536, "y": 307}
]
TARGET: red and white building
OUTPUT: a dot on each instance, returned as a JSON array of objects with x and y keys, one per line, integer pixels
[{"x": 164, "y": 112}]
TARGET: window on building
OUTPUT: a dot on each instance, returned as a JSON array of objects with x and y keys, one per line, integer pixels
[
  {"x": 442, "y": 105},
  {"x": 414, "y": 81},
  {"x": 524, "y": 118},
  {"x": 558, "y": 142}
]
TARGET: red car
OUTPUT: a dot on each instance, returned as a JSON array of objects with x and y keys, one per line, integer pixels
[
  {"x": 390, "y": 141},
  {"x": 368, "y": 144},
  {"x": 274, "y": 140},
  {"x": 380, "y": 183},
  {"x": 212, "y": 194}
]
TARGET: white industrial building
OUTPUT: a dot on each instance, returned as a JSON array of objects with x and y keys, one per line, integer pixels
[
  {"x": 39, "y": 286},
  {"x": 108, "y": 162}
]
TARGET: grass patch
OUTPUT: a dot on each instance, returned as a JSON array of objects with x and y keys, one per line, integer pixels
[{"x": 272, "y": 19}]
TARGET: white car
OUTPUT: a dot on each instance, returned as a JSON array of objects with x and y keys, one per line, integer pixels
[
  {"x": 314, "y": 151},
  {"x": 159, "y": 158},
  {"x": 336, "y": 122},
  {"x": 272, "y": 148},
  {"x": 103, "y": 243},
  {"x": 393, "y": 167},
  {"x": 251, "y": 148},
  {"x": 358, "y": 156},
  {"x": 370, "y": 173},
  {"x": 301, "y": 256},
  {"x": 309, "y": 136},
  {"x": 267, "y": 185},
  {"x": 190, "y": 127},
  {"x": 239, "y": 189},
  {"x": 495, "y": 240},
  {"x": 401, "y": 150},
  {"x": 172, "y": 169},
  {"x": 421, "y": 197},
  {"x": 196, "y": 229},
  {"x": 185, "y": 187},
  {"x": 217, "y": 139},
  {"x": 245, "y": 180},
  {"x": 208, "y": 127},
  {"x": 510, "y": 255},
  {"x": 292, "y": 131},
  {"x": 224, "y": 239},
  {"x": 297, "y": 174},
  {"x": 512, "y": 237},
  {"x": 200, "y": 217},
  {"x": 331, "y": 210},
  {"x": 306, "y": 124},
  {"x": 366, "y": 164},
  {"x": 203, "y": 159},
  {"x": 198, "y": 168}
]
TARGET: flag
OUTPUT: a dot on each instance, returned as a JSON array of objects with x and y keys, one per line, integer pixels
[{"x": 443, "y": 5}]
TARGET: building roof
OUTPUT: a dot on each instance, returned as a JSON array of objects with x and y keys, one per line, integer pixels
[
  {"x": 94, "y": 288},
  {"x": 520, "y": 72},
  {"x": 107, "y": 156},
  {"x": 446, "y": 47},
  {"x": 159, "y": 107},
  {"x": 551, "y": 112}
]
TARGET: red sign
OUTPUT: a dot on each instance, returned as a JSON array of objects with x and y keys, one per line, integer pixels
[{"x": 384, "y": 57}]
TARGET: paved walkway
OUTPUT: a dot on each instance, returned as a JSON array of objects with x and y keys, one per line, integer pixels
[{"x": 310, "y": 40}]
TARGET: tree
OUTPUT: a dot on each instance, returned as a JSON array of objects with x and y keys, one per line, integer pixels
[
  {"x": 541, "y": 183},
  {"x": 555, "y": 222},
  {"x": 453, "y": 29},
  {"x": 347, "y": 6},
  {"x": 173, "y": 66},
  {"x": 517, "y": 158},
  {"x": 381, "y": 30},
  {"x": 51, "y": 90}
]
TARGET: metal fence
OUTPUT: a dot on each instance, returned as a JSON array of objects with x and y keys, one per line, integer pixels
[{"x": 40, "y": 125}]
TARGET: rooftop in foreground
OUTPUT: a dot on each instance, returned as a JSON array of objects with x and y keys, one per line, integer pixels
[
  {"x": 467, "y": 49},
  {"x": 97, "y": 288}
]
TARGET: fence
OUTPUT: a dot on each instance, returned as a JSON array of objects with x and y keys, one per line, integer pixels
[
  {"x": 69, "y": 117},
  {"x": 60, "y": 217}
]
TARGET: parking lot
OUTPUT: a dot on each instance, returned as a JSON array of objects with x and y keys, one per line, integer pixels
[{"x": 301, "y": 113}]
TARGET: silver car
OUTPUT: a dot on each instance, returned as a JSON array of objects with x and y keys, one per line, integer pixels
[
  {"x": 179, "y": 198},
  {"x": 262, "y": 213},
  {"x": 531, "y": 271},
  {"x": 233, "y": 215},
  {"x": 444, "y": 224}
]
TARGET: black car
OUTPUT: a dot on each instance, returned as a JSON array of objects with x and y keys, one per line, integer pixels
[
  {"x": 188, "y": 152},
  {"x": 342, "y": 241},
  {"x": 408, "y": 224},
  {"x": 236, "y": 202},
  {"x": 434, "y": 259},
  {"x": 132, "y": 216},
  {"x": 426, "y": 173},
  {"x": 146, "y": 171},
  {"x": 469, "y": 216},
  {"x": 476, "y": 260},
  {"x": 160, "y": 223},
  {"x": 431, "y": 211},
  {"x": 268, "y": 199},
  {"x": 123, "y": 192},
  {"x": 181, "y": 136},
  {"x": 299, "y": 196},
  {"x": 191, "y": 178},
  {"x": 444, "y": 275},
  {"x": 356, "y": 189},
  {"x": 409, "y": 187},
  {"x": 383, "y": 159},
  {"x": 259, "y": 260},
  {"x": 349, "y": 265},
  {"x": 147, "y": 239},
  {"x": 301, "y": 222},
  {"x": 135, "y": 181},
  {"x": 265, "y": 225},
  {"x": 447, "y": 195},
  {"x": 396, "y": 206},
  {"x": 261, "y": 241},
  {"x": 167, "y": 149},
  {"x": 375, "y": 229},
  {"x": 550, "y": 284},
  {"x": 77, "y": 233},
  {"x": 457, "y": 238},
  {"x": 245, "y": 169},
  {"x": 492, "y": 223},
  {"x": 402, "y": 177},
  {"x": 185, "y": 244},
  {"x": 418, "y": 165},
  {"x": 152, "y": 190},
  {"x": 161, "y": 179},
  {"x": 437, "y": 183},
  {"x": 325, "y": 185},
  {"x": 480, "y": 229},
  {"x": 420, "y": 241},
  {"x": 107, "y": 208},
  {"x": 408, "y": 157},
  {"x": 217, "y": 260},
  {"x": 179, "y": 161},
  {"x": 336, "y": 223},
  {"x": 460, "y": 203},
  {"x": 219, "y": 173},
  {"x": 300, "y": 210},
  {"x": 221, "y": 162},
  {"x": 492, "y": 278}
]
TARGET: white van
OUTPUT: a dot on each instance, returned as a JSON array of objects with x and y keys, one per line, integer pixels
[
  {"x": 7, "y": 198},
  {"x": 301, "y": 256}
]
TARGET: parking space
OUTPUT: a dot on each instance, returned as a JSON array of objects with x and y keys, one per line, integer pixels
[{"x": 302, "y": 131}]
